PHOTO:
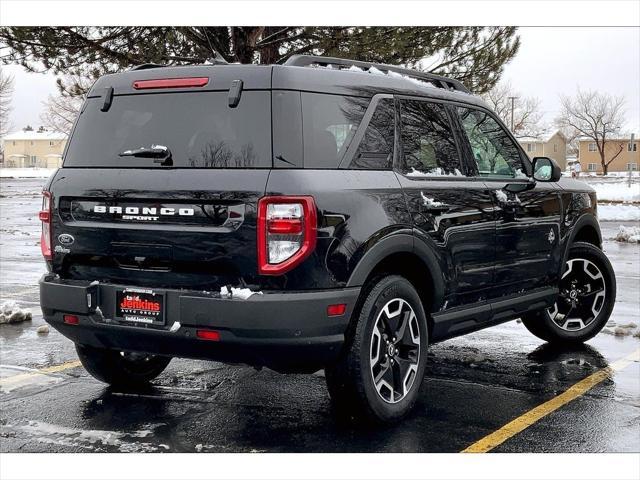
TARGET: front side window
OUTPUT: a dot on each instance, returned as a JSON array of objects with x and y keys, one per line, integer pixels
[
  {"x": 375, "y": 151},
  {"x": 329, "y": 123},
  {"x": 428, "y": 143},
  {"x": 495, "y": 154}
]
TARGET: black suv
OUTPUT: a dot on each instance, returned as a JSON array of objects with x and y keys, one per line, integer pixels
[{"x": 324, "y": 213}]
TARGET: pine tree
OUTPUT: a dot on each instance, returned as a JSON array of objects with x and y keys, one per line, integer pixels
[{"x": 473, "y": 55}]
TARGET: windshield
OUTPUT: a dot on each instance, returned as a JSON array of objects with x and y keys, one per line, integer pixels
[{"x": 200, "y": 130}]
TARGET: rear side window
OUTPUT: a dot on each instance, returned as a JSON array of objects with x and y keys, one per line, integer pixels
[
  {"x": 375, "y": 151},
  {"x": 428, "y": 142},
  {"x": 200, "y": 130},
  {"x": 329, "y": 123}
]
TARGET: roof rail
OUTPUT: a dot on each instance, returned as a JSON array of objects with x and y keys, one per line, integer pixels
[{"x": 437, "y": 80}]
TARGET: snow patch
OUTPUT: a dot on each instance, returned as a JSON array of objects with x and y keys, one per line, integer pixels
[
  {"x": 26, "y": 172},
  {"x": 437, "y": 172},
  {"x": 43, "y": 330},
  {"x": 430, "y": 202},
  {"x": 617, "y": 191},
  {"x": 501, "y": 196},
  {"x": 10, "y": 312},
  {"x": 619, "y": 213},
  {"x": 241, "y": 293},
  {"x": 628, "y": 234}
]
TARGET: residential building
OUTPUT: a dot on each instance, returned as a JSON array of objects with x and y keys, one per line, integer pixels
[
  {"x": 552, "y": 146},
  {"x": 628, "y": 159},
  {"x": 33, "y": 148}
]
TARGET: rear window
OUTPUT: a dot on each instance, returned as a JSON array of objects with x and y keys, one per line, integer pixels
[{"x": 199, "y": 129}]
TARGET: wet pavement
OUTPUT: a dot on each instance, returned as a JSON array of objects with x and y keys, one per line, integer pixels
[{"x": 474, "y": 384}]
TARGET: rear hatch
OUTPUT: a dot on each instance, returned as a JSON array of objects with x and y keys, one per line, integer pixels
[{"x": 161, "y": 179}]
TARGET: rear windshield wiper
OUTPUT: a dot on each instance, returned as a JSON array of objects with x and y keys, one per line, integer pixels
[{"x": 159, "y": 153}]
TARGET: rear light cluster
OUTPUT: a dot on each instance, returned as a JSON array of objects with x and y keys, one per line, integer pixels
[
  {"x": 286, "y": 232},
  {"x": 45, "y": 218}
]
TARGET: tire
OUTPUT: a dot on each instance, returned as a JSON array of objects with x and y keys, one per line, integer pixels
[
  {"x": 119, "y": 368},
  {"x": 391, "y": 302},
  {"x": 594, "y": 308}
]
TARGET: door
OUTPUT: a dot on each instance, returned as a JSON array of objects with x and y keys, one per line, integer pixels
[
  {"x": 451, "y": 211},
  {"x": 528, "y": 214}
]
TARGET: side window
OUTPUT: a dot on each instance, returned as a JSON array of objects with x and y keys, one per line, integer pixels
[
  {"x": 496, "y": 155},
  {"x": 375, "y": 151},
  {"x": 328, "y": 125},
  {"x": 427, "y": 140}
]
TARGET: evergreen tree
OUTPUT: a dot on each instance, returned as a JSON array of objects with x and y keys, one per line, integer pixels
[{"x": 473, "y": 55}]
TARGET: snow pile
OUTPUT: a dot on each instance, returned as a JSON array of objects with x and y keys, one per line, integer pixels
[
  {"x": 619, "y": 213},
  {"x": 501, "y": 196},
  {"x": 437, "y": 172},
  {"x": 10, "y": 312},
  {"x": 617, "y": 192},
  {"x": 26, "y": 172},
  {"x": 623, "y": 330},
  {"x": 628, "y": 234},
  {"x": 241, "y": 293}
]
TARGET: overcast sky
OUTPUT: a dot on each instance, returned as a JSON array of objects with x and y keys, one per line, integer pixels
[{"x": 551, "y": 61}]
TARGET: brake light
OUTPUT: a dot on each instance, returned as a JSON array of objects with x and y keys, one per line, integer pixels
[
  {"x": 286, "y": 232},
  {"x": 210, "y": 335},
  {"x": 71, "y": 319},
  {"x": 47, "y": 231},
  {"x": 171, "y": 83},
  {"x": 336, "y": 310}
]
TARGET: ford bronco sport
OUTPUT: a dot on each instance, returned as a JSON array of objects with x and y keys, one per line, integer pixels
[{"x": 320, "y": 214}]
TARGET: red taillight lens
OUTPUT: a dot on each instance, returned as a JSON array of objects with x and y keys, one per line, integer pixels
[
  {"x": 286, "y": 232},
  {"x": 47, "y": 232},
  {"x": 210, "y": 335},
  {"x": 336, "y": 310},
  {"x": 70, "y": 319},
  {"x": 171, "y": 83}
]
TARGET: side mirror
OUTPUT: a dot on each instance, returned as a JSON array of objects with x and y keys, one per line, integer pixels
[{"x": 545, "y": 169}]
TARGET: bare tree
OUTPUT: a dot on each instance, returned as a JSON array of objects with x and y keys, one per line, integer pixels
[
  {"x": 597, "y": 116},
  {"x": 527, "y": 118},
  {"x": 60, "y": 111},
  {"x": 6, "y": 91}
]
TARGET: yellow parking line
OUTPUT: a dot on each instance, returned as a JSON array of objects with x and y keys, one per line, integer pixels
[
  {"x": 15, "y": 379},
  {"x": 532, "y": 416}
]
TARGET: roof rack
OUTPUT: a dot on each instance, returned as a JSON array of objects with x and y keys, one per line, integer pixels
[{"x": 437, "y": 80}]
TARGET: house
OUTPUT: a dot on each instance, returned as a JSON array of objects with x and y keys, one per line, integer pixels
[
  {"x": 627, "y": 160},
  {"x": 552, "y": 146},
  {"x": 31, "y": 148}
]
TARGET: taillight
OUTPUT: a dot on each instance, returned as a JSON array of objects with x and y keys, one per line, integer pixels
[
  {"x": 45, "y": 218},
  {"x": 286, "y": 232}
]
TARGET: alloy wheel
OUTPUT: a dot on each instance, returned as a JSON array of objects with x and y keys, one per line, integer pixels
[
  {"x": 582, "y": 295},
  {"x": 395, "y": 350}
]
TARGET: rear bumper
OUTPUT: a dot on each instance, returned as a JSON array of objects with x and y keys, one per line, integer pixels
[{"x": 284, "y": 331}]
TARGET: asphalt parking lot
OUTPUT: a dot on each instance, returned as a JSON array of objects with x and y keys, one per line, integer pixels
[{"x": 475, "y": 385}]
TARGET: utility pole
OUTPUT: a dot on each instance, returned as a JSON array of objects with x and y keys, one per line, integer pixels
[
  {"x": 513, "y": 99},
  {"x": 631, "y": 157}
]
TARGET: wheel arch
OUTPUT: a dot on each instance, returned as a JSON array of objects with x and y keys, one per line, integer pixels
[{"x": 404, "y": 255}]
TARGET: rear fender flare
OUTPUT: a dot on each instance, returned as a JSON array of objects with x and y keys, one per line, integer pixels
[{"x": 400, "y": 243}]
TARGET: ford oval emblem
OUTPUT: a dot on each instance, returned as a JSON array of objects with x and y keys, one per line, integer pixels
[{"x": 66, "y": 239}]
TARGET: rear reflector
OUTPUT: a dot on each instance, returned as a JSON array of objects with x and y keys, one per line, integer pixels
[
  {"x": 336, "y": 310},
  {"x": 71, "y": 319},
  {"x": 210, "y": 335},
  {"x": 171, "y": 83}
]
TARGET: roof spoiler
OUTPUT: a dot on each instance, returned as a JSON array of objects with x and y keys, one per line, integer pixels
[{"x": 436, "y": 80}]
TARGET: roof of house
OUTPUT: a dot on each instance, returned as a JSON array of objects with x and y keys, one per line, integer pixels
[
  {"x": 35, "y": 135},
  {"x": 541, "y": 138},
  {"x": 624, "y": 138}
]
